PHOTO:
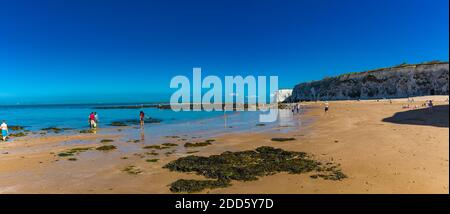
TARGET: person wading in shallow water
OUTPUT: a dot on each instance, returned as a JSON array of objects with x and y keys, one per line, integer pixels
[
  {"x": 92, "y": 123},
  {"x": 142, "y": 118},
  {"x": 96, "y": 119},
  {"x": 5, "y": 131}
]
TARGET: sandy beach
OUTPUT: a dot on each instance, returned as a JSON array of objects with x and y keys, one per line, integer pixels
[{"x": 381, "y": 147}]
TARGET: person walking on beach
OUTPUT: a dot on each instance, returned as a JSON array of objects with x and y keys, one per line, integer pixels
[
  {"x": 327, "y": 107},
  {"x": 142, "y": 118},
  {"x": 5, "y": 131}
]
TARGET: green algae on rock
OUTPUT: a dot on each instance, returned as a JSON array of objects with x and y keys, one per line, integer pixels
[{"x": 246, "y": 166}]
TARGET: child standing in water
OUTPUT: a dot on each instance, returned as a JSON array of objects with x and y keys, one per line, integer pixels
[{"x": 5, "y": 131}]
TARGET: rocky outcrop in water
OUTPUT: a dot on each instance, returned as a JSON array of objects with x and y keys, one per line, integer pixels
[{"x": 405, "y": 80}]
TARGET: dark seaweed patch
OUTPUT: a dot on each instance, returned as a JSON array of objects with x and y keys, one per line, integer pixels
[
  {"x": 18, "y": 134},
  {"x": 117, "y": 123},
  {"x": 190, "y": 186},
  {"x": 152, "y": 160},
  {"x": 282, "y": 139},
  {"x": 169, "y": 144},
  {"x": 74, "y": 151},
  {"x": 133, "y": 170},
  {"x": 191, "y": 152},
  {"x": 106, "y": 141},
  {"x": 134, "y": 122},
  {"x": 152, "y": 153},
  {"x": 65, "y": 154},
  {"x": 106, "y": 148},
  {"x": 155, "y": 147},
  {"x": 246, "y": 166},
  {"x": 88, "y": 131},
  {"x": 169, "y": 153},
  {"x": 199, "y": 144},
  {"x": 55, "y": 130},
  {"x": 174, "y": 136},
  {"x": 16, "y": 128}
]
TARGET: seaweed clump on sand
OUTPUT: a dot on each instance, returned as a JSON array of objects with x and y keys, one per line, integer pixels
[
  {"x": 17, "y": 134},
  {"x": 133, "y": 170},
  {"x": 134, "y": 122},
  {"x": 245, "y": 166},
  {"x": 118, "y": 123},
  {"x": 169, "y": 144},
  {"x": 184, "y": 185},
  {"x": 106, "y": 148},
  {"x": 152, "y": 160},
  {"x": 16, "y": 128},
  {"x": 159, "y": 147},
  {"x": 199, "y": 144},
  {"x": 152, "y": 153},
  {"x": 55, "y": 130},
  {"x": 282, "y": 139},
  {"x": 17, "y": 131},
  {"x": 73, "y": 151},
  {"x": 106, "y": 141},
  {"x": 87, "y": 131}
]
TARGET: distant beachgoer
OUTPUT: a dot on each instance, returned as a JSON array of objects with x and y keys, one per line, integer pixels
[
  {"x": 327, "y": 107},
  {"x": 430, "y": 105},
  {"x": 92, "y": 120},
  {"x": 142, "y": 118},
  {"x": 96, "y": 118},
  {"x": 5, "y": 131},
  {"x": 298, "y": 108}
]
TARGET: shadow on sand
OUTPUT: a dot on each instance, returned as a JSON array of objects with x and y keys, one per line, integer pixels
[{"x": 437, "y": 116}]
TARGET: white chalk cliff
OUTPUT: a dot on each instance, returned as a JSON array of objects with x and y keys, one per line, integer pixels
[{"x": 405, "y": 80}]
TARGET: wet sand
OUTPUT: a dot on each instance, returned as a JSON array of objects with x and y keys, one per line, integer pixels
[{"x": 381, "y": 147}]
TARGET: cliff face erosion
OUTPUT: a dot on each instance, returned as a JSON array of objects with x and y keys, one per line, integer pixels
[{"x": 395, "y": 82}]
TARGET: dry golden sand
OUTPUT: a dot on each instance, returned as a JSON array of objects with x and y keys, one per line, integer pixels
[{"x": 406, "y": 154}]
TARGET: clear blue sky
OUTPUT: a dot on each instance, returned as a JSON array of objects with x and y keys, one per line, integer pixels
[{"x": 113, "y": 51}]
